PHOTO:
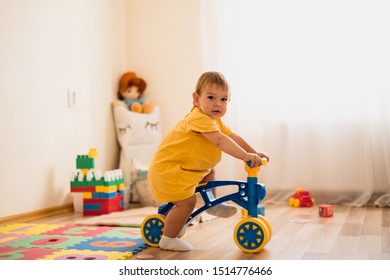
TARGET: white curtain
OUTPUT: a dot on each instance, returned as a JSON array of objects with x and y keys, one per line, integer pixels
[{"x": 310, "y": 84}]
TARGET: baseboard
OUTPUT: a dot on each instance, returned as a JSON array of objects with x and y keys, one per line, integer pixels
[{"x": 34, "y": 215}]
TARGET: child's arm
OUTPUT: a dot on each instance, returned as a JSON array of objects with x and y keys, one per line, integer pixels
[
  {"x": 243, "y": 144},
  {"x": 229, "y": 146}
]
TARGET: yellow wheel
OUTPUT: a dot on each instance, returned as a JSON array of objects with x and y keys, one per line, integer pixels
[
  {"x": 251, "y": 235},
  {"x": 268, "y": 225},
  {"x": 296, "y": 203},
  {"x": 152, "y": 228},
  {"x": 291, "y": 201}
]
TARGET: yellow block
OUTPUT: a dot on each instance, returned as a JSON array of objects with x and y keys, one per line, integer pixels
[
  {"x": 92, "y": 153},
  {"x": 106, "y": 189},
  {"x": 87, "y": 195}
]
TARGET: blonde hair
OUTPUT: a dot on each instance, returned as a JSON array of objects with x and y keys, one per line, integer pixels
[{"x": 211, "y": 78}]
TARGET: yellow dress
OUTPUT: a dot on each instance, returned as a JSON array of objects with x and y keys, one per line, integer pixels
[{"x": 184, "y": 157}]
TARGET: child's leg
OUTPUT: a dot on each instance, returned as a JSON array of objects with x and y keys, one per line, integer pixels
[
  {"x": 174, "y": 223},
  {"x": 221, "y": 210},
  {"x": 209, "y": 177},
  {"x": 178, "y": 216}
]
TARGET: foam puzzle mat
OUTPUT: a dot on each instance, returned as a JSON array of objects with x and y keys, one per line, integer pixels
[{"x": 24, "y": 241}]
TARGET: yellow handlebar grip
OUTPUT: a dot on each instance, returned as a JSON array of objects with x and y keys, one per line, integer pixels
[{"x": 252, "y": 171}]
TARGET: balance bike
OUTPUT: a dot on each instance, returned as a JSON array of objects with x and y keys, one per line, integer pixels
[{"x": 251, "y": 233}]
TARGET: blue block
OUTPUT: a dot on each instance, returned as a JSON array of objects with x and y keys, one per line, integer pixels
[
  {"x": 103, "y": 195},
  {"x": 91, "y": 206}
]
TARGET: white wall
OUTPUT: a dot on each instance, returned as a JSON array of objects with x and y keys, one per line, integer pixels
[
  {"x": 48, "y": 47},
  {"x": 163, "y": 39}
]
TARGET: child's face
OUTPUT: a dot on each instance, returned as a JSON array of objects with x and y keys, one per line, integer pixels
[
  {"x": 212, "y": 100},
  {"x": 131, "y": 93}
]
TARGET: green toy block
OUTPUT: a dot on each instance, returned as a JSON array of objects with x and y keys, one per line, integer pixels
[
  {"x": 85, "y": 182},
  {"x": 94, "y": 182},
  {"x": 85, "y": 162}
]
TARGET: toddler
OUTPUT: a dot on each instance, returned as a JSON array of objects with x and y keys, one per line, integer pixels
[{"x": 188, "y": 154}]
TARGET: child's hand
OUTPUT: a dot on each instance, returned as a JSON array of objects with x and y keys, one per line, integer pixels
[
  {"x": 253, "y": 158},
  {"x": 263, "y": 155}
]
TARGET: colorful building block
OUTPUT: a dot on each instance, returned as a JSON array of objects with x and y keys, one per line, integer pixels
[
  {"x": 84, "y": 162},
  {"x": 325, "y": 210},
  {"x": 301, "y": 198},
  {"x": 101, "y": 194}
]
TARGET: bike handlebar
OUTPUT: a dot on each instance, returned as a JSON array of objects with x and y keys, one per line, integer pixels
[
  {"x": 252, "y": 171},
  {"x": 264, "y": 162}
]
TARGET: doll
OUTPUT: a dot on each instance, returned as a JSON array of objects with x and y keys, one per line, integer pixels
[{"x": 130, "y": 92}]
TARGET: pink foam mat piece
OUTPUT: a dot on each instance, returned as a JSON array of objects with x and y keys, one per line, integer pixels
[{"x": 22, "y": 253}]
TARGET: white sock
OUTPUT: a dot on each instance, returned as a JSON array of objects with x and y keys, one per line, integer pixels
[
  {"x": 222, "y": 210},
  {"x": 174, "y": 244}
]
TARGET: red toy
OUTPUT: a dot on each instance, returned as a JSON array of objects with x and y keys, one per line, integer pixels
[
  {"x": 301, "y": 198},
  {"x": 326, "y": 210}
]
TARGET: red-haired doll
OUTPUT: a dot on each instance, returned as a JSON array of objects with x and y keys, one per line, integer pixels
[{"x": 130, "y": 92}]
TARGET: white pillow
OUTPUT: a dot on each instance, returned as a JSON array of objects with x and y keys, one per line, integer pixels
[
  {"x": 135, "y": 129},
  {"x": 138, "y": 135}
]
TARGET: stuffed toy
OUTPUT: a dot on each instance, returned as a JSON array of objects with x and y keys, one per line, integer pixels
[{"x": 130, "y": 92}]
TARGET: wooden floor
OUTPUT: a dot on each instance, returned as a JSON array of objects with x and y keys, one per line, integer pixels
[{"x": 297, "y": 234}]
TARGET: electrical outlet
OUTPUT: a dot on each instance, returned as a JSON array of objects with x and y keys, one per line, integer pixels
[{"x": 72, "y": 98}]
